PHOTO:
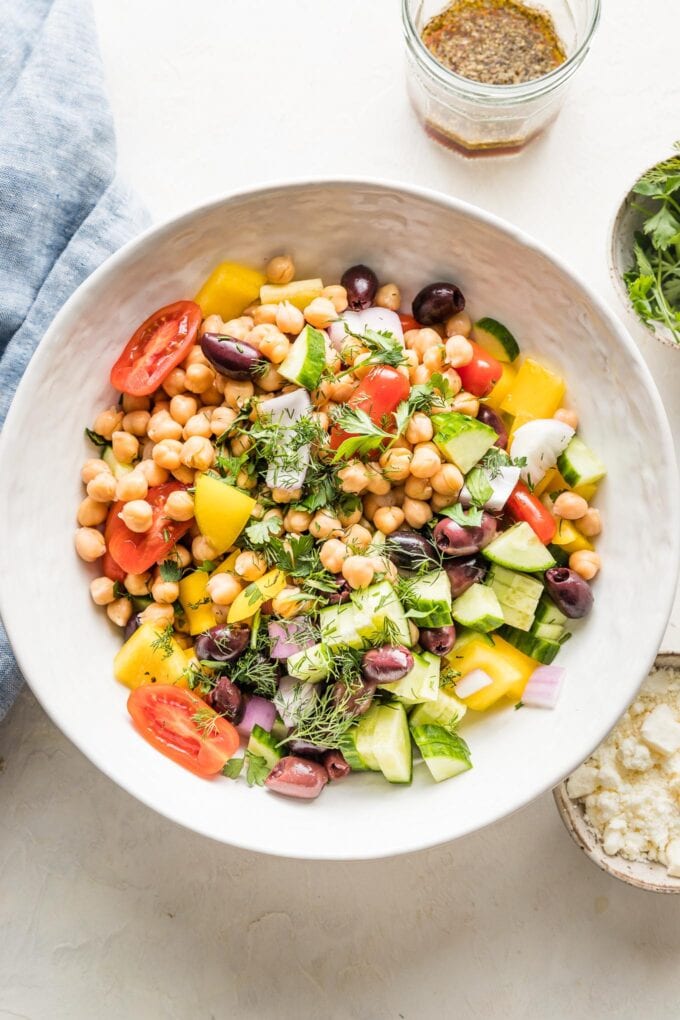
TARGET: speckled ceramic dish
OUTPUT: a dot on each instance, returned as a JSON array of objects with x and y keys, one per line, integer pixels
[
  {"x": 646, "y": 875},
  {"x": 412, "y": 236}
]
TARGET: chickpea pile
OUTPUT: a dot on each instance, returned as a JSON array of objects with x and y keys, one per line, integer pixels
[{"x": 171, "y": 435}]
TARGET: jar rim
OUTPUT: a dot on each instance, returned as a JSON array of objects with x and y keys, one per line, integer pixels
[{"x": 501, "y": 94}]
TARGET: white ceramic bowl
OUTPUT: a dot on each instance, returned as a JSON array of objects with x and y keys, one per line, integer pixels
[{"x": 65, "y": 645}]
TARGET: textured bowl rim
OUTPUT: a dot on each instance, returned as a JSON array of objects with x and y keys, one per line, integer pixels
[{"x": 410, "y": 841}]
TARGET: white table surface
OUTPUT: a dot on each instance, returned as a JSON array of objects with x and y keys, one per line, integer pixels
[{"x": 109, "y": 911}]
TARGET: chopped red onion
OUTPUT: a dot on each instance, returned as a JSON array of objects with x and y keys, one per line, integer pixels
[
  {"x": 292, "y": 697},
  {"x": 259, "y": 712},
  {"x": 544, "y": 687},
  {"x": 475, "y": 681},
  {"x": 289, "y": 637}
]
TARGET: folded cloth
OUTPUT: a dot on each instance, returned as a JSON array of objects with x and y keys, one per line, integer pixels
[{"x": 62, "y": 208}]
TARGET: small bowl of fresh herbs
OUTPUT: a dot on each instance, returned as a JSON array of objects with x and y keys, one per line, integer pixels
[{"x": 645, "y": 250}]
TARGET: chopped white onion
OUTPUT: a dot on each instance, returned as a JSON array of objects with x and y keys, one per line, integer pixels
[
  {"x": 378, "y": 319},
  {"x": 544, "y": 687},
  {"x": 285, "y": 410},
  {"x": 502, "y": 484},
  {"x": 474, "y": 681},
  {"x": 541, "y": 442}
]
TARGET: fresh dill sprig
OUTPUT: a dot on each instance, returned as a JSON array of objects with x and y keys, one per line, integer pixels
[
  {"x": 164, "y": 641},
  {"x": 383, "y": 346},
  {"x": 323, "y": 720},
  {"x": 206, "y": 721}
]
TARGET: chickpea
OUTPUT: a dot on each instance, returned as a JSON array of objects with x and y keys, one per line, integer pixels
[
  {"x": 212, "y": 324},
  {"x": 137, "y": 584},
  {"x": 439, "y": 502},
  {"x": 195, "y": 357},
  {"x": 459, "y": 325},
  {"x": 93, "y": 467},
  {"x": 173, "y": 384},
  {"x": 417, "y": 512},
  {"x": 91, "y": 513},
  {"x": 276, "y": 349},
  {"x": 448, "y": 481},
  {"x": 184, "y": 474},
  {"x": 358, "y": 571},
  {"x": 102, "y": 591},
  {"x": 162, "y": 426},
  {"x": 388, "y": 296},
  {"x": 453, "y": 380},
  {"x": 221, "y": 420},
  {"x": 202, "y": 550},
  {"x": 198, "y": 378},
  {"x": 433, "y": 359},
  {"x": 459, "y": 351},
  {"x": 250, "y": 565},
  {"x": 570, "y": 506},
  {"x": 377, "y": 483},
  {"x": 102, "y": 487},
  {"x": 320, "y": 312},
  {"x": 153, "y": 473},
  {"x": 107, "y": 422},
  {"x": 271, "y": 380},
  {"x": 590, "y": 524},
  {"x": 136, "y": 422},
  {"x": 179, "y": 506},
  {"x": 337, "y": 295},
  {"x": 342, "y": 390},
  {"x": 265, "y": 314},
  {"x": 333, "y": 554},
  {"x": 280, "y": 269},
  {"x": 198, "y": 425},
  {"x": 321, "y": 419},
  {"x": 158, "y": 614},
  {"x": 165, "y": 592},
  {"x": 167, "y": 454},
  {"x": 585, "y": 563},
  {"x": 131, "y": 403},
  {"x": 418, "y": 488},
  {"x": 466, "y": 403},
  {"x": 198, "y": 453},
  {"x": 358, "y": 537},
  {"x": 354, "y": 477},
  {"x": 137, "y": 515},
  {"x": 90, "y": 544},
  {"x": 132, "y": 486},
  {"x": 426, "y": 461},
  {"x": 125, "y": 446},
  {"x": 160, "y": 405},
  {"x": 183, "y": 407},
  {"x": 349, "y": 517},
  {"x": 426, "y": 338},
  {"x": 388, "y": 518},
  {"x": 323, "y": 524},
  {"x": 119, "y": 612},
  {"x": 398, "y": 494},
  {"x": 237, "y": 392},
  {"x": 371, "y": 503},
  {"x": 567, "y": 416},
  {"x": 297, "y": 521},
  {"x": 289, "y": 319},
  {"x": 396, "y": 464},
  {"x": 420, "y": 375},
  {"x": 223, "y": 589},
  {"x": 420, "y": 429},
  {"x": 290, "y": 602},
  {"x": 182, "y": 555}
]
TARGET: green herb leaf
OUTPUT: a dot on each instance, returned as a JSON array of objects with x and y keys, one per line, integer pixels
[
  {"x": 261, "y": 532},
  {"x": 163, "y": 641},
  {"x": 233, "y": 768},
  {"x": 170, "y": 570},
  {"x": 479, "y": 486},
  {"x": 473, "y": 517},
  {"x": 95, "y": 438},
  {"x": 257, "y": 769}
]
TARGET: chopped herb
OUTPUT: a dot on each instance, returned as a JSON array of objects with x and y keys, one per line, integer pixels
[
  {"x": 206, "y": 721},
  {"x": 520, "y": 704},
  {"x": 119, "y": 591},
  {"x": 170, "y": 570},
  {"x": 479, "y": 487},
  {"x": 472, "y": 518},
  {"x": 232, "y": 769},
  {"x": 166, "y": 535},
  {"x": 255, "y": 670},
  {"x": 207, "y": 566},
  {"x": 323, "y": 721},
  {"x": 164, "y": 642},
  {"x": 257, "y": 769},
  {"x": 230, "y": 467},
  {"x": 95, "y": 438},
  {"x": 365, "y": 436},
  {"x": 261, "y": 532},
  {"x": 383, "y": 346}
]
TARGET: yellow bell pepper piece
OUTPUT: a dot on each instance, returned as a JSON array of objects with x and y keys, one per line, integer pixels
[
  {"x": 500, "y": 390},
  {"x": 227, "y": 566},
  {"x": 251, "y": 598},
  {"x": 196, "y": 603},
  {"x": 569, "y": 538},
  {"x": 536, "y": 392},
  {"x": 150, "y": 656},
  {"x": 222, "y": 511},
  {"x": 299, "y": 292},
  {"x": 587, "y": 491},
  {"x": 508, "y": 668},
  {"x": 229, "y": 289}
]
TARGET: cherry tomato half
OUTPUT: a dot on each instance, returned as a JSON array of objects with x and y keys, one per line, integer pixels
[
  {"x": 110, "y": 568},
  {"x": 155, "y": 348},
  {"x": 379, "y": 395},
  {"x": 166, "y": 717},
  {"x": 482, "y": 373},
  {"x": 524, "y": 506},
  {"x": 134, "y": 552},
  {"x": 408, "y": 322}
]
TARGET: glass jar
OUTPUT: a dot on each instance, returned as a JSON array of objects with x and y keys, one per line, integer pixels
[{"x": 478, "y": 119}]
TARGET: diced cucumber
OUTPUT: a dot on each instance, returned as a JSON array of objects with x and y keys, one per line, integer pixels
[
  {"x": 421, "y": 683},
  {"x": 311, "y": 664},
  {"x": 348, "y": 746},
  {"x": 578, "y": 464},
  {"x": 445, "y": 753},
  {"x": 391, "y": 743},
  {"x": 547, "y": 631},
  {"x": 307, "y": 359},
  {"x": 345, "y": 625},
  {"x": 118, "y": 469},
  {"x": 559, "y": 555},
  {"x": 478, "y": 608},
  {"x": 279, "y": 729},
  {"x": 462, "y": 440},
  {"x": 446, "y": 711},
  {"x": 535, "y": 647},
  {"x": 299, "y": 292},
  {"x": 464, "y": 637},
  {"x": 363, "y": 739},
  {"x": 547, "y": 612},
  {"x": 430, "y": 599},
  {"x": 518, "y": 595},
  {"x": 519, "y": 548},
  {"x": 497, "y": 339},
  {"x": 265, "y": 745},
  {"x": 380, "y": 603}
]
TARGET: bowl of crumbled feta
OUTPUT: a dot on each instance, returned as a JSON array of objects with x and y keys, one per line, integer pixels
[{"x": 622, "y": 805}]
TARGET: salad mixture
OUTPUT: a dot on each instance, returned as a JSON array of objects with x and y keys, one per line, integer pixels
[{"x": 329, "y": 528}]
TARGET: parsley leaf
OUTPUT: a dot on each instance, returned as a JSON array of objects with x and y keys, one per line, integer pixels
[
  {"x": 365, "y": 436},
  {"x": 170, "y": 570},
  {"x": 479, "y": 486},
  {"x": 257, "y": 769},
  {"x": 473, "y": 517},
  {"x": 232, "y": 769},
  {"x": 261, "y": 532}
]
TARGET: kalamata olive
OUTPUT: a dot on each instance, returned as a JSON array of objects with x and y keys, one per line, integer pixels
[
  {"x": 408, "y": 550},
  {"x": 357, "y": 700},
  {"x": 227, "y": 699},
  {"x": 463, "y": 574},
  {"x": 335, "y": 765},
  {"x": 387, "y": 664},
  {"x": 306, "y": 750},
  {"x": 488, "y": 416},
  {"x": 361, "y": 283},
  {"x": 233, "y": 358},
  {"x": 570, "y": 593},
  {"x": 464, "y": 539},
  {"x": 297, "y": 777},
  {"x": 222, "y": 643},
  {"x": 438, "y": 640},
  {"x": 342, "y": 593},
  {"x": 131, "y": 626},
  {"x": 437, "y": 302}
]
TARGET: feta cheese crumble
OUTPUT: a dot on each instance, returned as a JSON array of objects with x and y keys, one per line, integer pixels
[{"x": 630, "y": 786}]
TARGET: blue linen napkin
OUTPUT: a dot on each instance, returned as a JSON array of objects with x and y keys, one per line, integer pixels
[{"x": 62, "y": 208}]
